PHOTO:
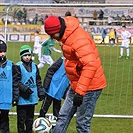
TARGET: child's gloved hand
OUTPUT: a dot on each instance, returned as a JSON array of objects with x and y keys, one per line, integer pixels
[
  {"x": 29, "y": 91},
  {"x": 41, "y": 97}
]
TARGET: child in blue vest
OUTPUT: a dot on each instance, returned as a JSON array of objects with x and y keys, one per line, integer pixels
[
  {"x": 55, "y": 83},
  {"x": 104, "y": 33},
  {"x": 9, "y": 91},
  {"x": 30, "y": 87}
]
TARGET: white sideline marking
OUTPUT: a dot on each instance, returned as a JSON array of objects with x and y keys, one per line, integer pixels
[{"x": 99, "y": 116}]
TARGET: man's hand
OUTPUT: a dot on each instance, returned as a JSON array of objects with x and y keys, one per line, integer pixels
[{"x": 77, "y": 99}]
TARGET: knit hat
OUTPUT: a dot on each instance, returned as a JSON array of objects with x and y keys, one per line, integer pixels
[
  {"x": 25, "y": 49},
  {"x": 3, "y": 46},
  {"x": 52, "y": 25}
]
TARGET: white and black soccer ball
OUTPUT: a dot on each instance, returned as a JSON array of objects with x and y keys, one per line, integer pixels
[
  {"x": 42, "y": 125},
  {"x": 52, "y": 119}
]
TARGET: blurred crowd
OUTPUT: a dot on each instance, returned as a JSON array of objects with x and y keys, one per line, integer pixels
[
  {"x": 19, "y": 16},
  {"x": 111, "y": 20}
]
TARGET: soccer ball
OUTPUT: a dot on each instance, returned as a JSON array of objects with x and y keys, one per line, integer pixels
[
  {"x": 42, "y": 125},
  {"x": 52, "y": 119}
]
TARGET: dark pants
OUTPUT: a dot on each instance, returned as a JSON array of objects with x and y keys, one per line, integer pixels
[
  {"x": 4, "y": 121},
  {"x": 102, "y": 40},
  {"x": 46, "y": 104},
  {"x": 25, "y": 116}
]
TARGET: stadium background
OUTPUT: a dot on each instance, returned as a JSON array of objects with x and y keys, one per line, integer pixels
[
  {"x": 46, "y": 7},
  {"x": 116, "y": 100}
]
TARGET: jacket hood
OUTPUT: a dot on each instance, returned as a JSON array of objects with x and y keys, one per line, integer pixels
[{"x": 72, "y": 24}]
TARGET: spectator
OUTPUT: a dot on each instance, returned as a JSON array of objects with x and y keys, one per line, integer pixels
[
  {"x": 46, "y": 16},
  {"x": 123, "y": 17},
  {"x": 19, "y": 15},
  {"x": 36, "y": 19},
  {"x": 116, "y": 36},
  {"x": 9, "y": 91},
  {"x": 104, "y": 33},
  {"x": 30, "y": 88},
  {"x": 94, "y": 15},
  {"x": 128, "y": 17},
  {"x": 112, "y": 37},
  {"x": 55, "y": 83},
  {"x": 83, "y": 68},
  {"x": 25, "y": 15},
  {"x": 15, "y": 14},
  {"x": 68, "y": 13},
  {"x": 125, "y": 35},
  {"x": 101, "y": 14}
]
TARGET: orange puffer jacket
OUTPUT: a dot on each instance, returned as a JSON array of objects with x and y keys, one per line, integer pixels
[{"x": 82, "y": 64}]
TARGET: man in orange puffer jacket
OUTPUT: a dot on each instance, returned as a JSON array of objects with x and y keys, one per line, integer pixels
[{"x": 83, "y": 68}]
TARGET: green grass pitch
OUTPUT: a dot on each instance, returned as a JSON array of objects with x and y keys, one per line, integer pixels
[{"x": 115, "y": 99}]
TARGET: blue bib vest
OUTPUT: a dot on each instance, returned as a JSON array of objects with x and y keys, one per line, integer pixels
[
  {"x": 59, "y": 83},
  {"x": 6, "y": 86},
  {"x": 29, "y": 80}
]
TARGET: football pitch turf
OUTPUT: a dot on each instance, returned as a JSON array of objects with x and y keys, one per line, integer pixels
[{"x": 116, "y": 97}]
